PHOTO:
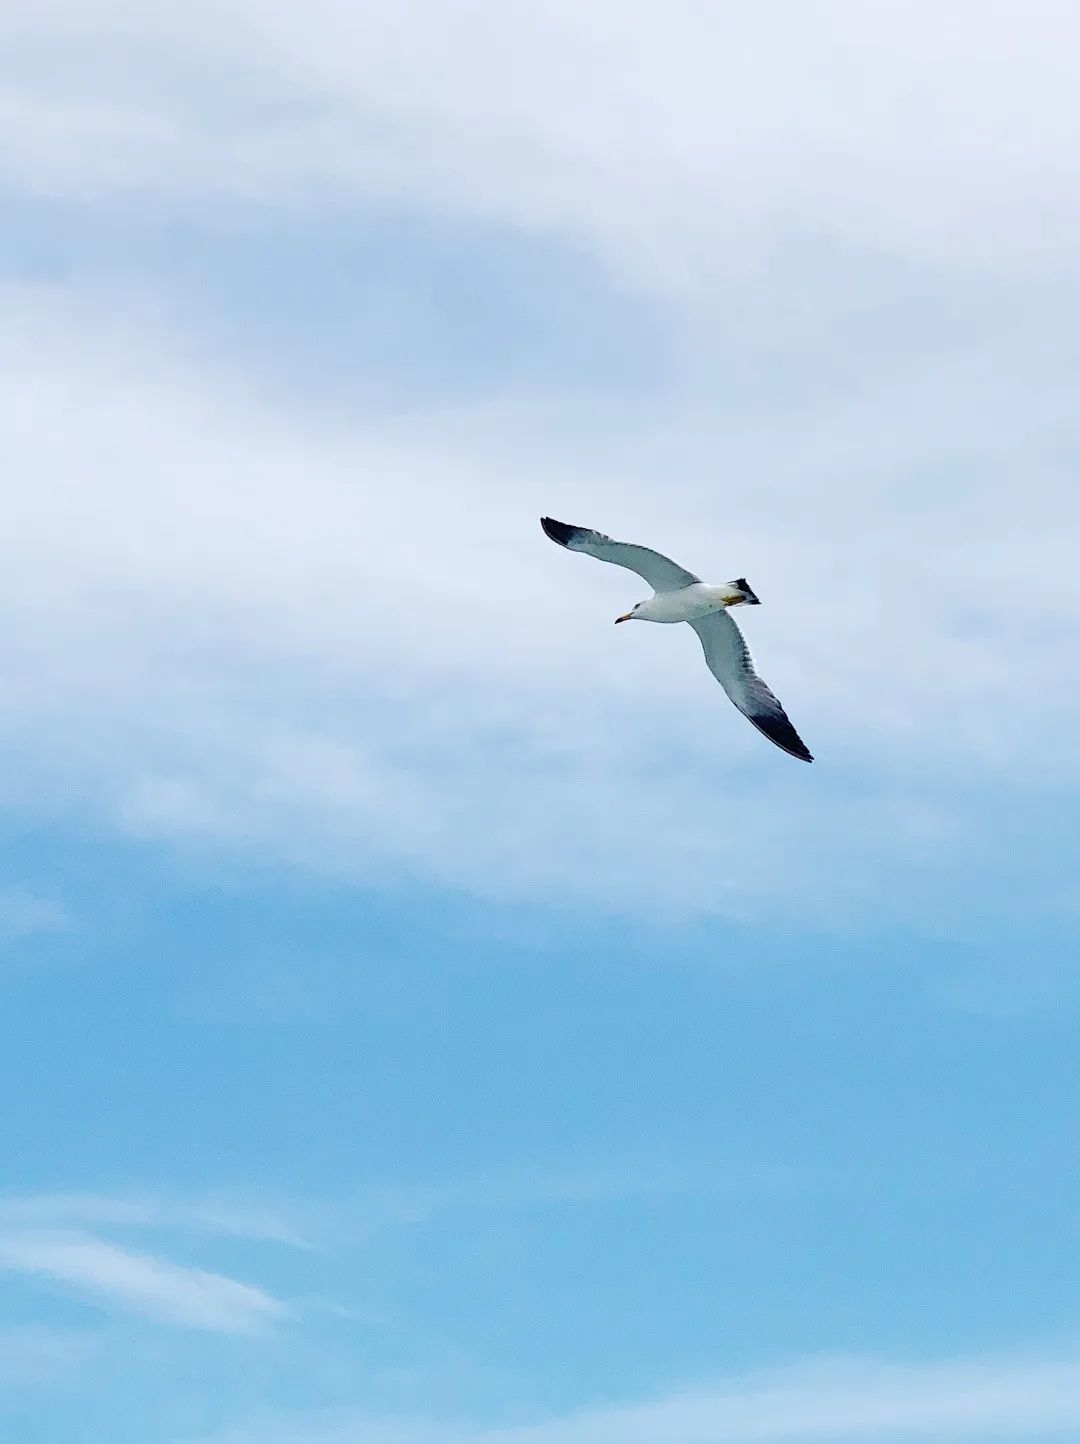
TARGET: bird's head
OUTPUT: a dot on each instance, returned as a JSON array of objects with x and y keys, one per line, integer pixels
[{"x": 629, "y": 616}]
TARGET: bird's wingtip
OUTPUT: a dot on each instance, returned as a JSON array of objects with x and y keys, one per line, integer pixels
[
  {"x": 793, "y": 744},
  {"x": 558, "y": 531},
  {"x": 776, "y": 726}
]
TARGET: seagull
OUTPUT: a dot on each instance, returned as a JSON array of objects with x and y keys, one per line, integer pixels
[{"x": 680, "y": 596}]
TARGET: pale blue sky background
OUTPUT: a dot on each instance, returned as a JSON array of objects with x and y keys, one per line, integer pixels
[{"x": 436, "y": 1018}]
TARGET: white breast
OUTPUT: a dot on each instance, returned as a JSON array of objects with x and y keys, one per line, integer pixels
[{"x": 685, "y": 605}]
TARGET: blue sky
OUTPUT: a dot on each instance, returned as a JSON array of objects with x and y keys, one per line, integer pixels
[{"x": 433, "y": 1015}]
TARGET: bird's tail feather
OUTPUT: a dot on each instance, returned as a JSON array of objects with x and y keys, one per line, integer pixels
[{"x": 749, "y": 595}]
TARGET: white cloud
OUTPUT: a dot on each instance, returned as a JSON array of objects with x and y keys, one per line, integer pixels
[
  {"x": 817, "y": 1403},
  {"x": 154, "y": 1287},
  {"x": 680, "y": 142}
]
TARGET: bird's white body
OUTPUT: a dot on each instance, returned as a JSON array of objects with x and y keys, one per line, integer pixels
[{"x": 687, "y": 604}]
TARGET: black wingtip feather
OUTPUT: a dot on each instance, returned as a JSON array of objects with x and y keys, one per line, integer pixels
[
  {"x": 752, "y": 598},
  {"x": 779, "y": 730},
  {"x": 558, "y": 531}
]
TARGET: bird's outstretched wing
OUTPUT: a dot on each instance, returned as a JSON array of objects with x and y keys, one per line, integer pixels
[
  {"x": 661, "y": 573},
  {"x": 730, "y": 662}
]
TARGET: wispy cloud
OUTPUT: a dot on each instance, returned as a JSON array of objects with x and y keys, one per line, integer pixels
[
  {"x": 567, "y": 1186},
  {"x": 120, "y": 1278},
  {"x": 223, "y": 1214},
  {"x": 824, "y": 1402},
  {"x": 843, "y": 1401},
  {"x": 24, "y": 913}
]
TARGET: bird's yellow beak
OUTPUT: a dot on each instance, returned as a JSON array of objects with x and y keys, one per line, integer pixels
[{"x": 624, "y": 618}]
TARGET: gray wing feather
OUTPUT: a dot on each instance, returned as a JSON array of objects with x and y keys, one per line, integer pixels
[
  {"x": 729, "y": 661},
  {"x": 661, "y": 573}
]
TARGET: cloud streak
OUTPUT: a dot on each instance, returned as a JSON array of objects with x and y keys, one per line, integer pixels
[
  {"x": 224, "y": 1215},
  {"x": 141, "y": 1283}
]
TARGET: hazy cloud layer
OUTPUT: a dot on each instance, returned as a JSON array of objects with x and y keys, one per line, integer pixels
[
  {"x": 262, "y": 618},
  {"x": 679, "y": 143}
]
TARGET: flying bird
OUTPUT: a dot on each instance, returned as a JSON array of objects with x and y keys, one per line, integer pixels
[{"x": 680, "y": 596}]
